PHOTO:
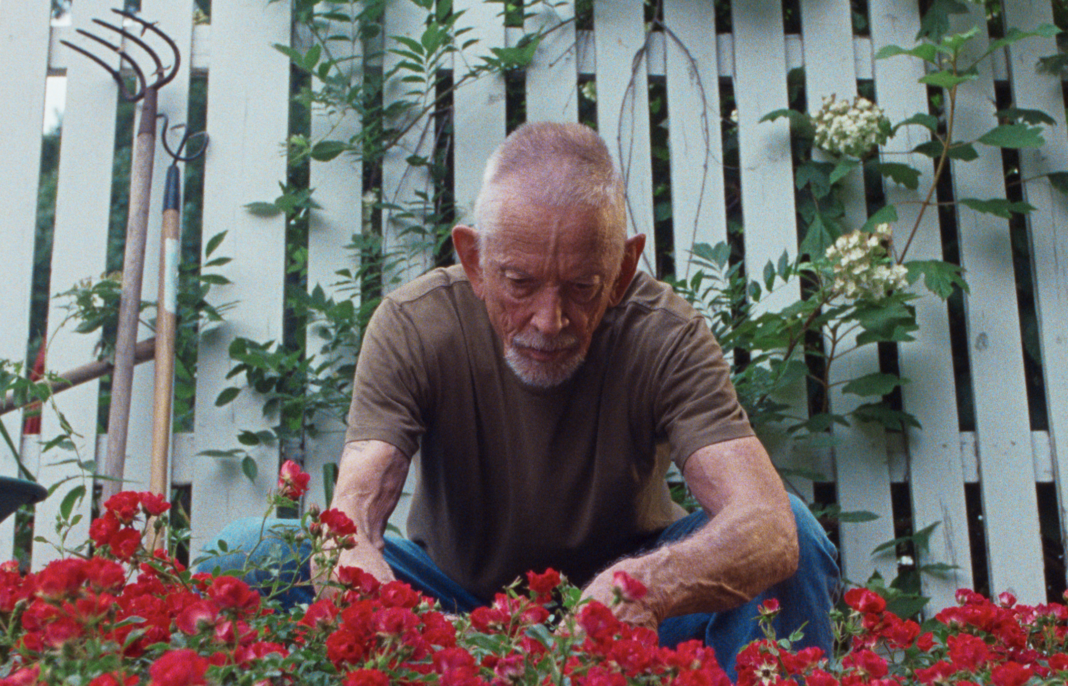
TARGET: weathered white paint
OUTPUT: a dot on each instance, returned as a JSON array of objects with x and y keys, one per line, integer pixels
[
  {"x": 80, "y": 243},
  {"x": 995, "y": 350},
  {"x": 552, "y": 83},
  {"x": 339, "y": 191},
  {"x": 623, "y": 109},
  {"x": 933, "y": 452},
  {"x": 247, "y": 92},
  {"x": 478, "y": 107},
  {"x": 24, "y": 62},
  {"x": 861, "y": 460},
  {"x": 1049, "y": 239},
  {"x": 403, "y": 228},
  {"x": 695, "y": 137}
]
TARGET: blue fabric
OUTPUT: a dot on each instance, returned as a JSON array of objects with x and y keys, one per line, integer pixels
[{"x": 806, "y": 598}]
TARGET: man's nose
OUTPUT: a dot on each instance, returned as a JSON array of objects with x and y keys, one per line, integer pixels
[{"x": 549, "y": 318}]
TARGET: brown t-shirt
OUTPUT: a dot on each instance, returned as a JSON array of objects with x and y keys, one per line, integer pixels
[{"x": 513, "y": 478}]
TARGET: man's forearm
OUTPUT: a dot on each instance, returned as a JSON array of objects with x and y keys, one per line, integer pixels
[
  {"x": 370, "y": 481},
  {"x": 723, "y": 565},
  {"x": 749, "y": 543}
]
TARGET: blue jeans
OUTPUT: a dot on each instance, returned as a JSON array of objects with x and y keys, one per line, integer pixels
[{"x": 806, "y": 598}]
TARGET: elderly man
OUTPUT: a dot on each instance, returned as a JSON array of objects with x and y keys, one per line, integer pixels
[{"x": 537, "y": 379}]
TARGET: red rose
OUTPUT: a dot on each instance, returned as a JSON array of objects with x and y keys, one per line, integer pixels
[
  {"x": 153, "y": 503},
  {"x": 233, "y": 593},
  {"x": 1010, "y": 674},
  {"x": 337, "y": 523},
  {"x": 398, "y": 594},
  {"x": 292, "y": 480},
  {"x": 125, "y": 543},
  {"x": 103, "y": 528},
  {"x": 366, "y": 677},
  {"x": 627, "y": 587},
  {"x": 125, "y": 506},
  {"x": 864, "y": 600},
  {"x": 543, "y": 584},
  {"x": 178, "y": 668}
]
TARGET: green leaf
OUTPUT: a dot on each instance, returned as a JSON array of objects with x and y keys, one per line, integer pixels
[
  {"x": 248, "y": 467},
  {"x": 878, "y": 413},
  {"x": 330, "y": 472},
  {"x": 214, "y": 243},
  {"x": 324, "y": 151},
  {"x": 958, "y": 151},
  {"x": 1059, "y": 180},
  {"x": 233, "y": 452},
  {"x": 947, "y": 79},
  {"x": 939, "y": 277},
  {"x": 1014, "y": 35},
  {"x": 295, "y": 56},
  {"x": 901, "y": 174},
  {"x": 928, "y": 121},
  {"x": 249, "y": 438},
  {"x": 263, "y": 209},
  {"x": 935, "y": 21},
  {"x": 997, "y": 206},
  {"x": 226, "y": 396},
  {"x": 874, "y": 384},
  {"x": 817, "y": 237},
  {"x": 1013, "y": 136},
  {"x": 70, "y": 500},
  {"x": 817, "y": 175},
  {"x": 925, "y": 51},
  {"x": 887, "y": 214},
  {"x": 842, "y": 170},
  {"x": 856, "y": 516},
  {"x": 1018, "y": 114}
]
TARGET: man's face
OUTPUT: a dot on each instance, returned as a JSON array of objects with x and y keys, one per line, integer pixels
[{"x": 547, "y": 278}]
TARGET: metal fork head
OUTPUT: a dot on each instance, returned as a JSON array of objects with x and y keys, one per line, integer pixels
[{"x": 162, "y": 74}]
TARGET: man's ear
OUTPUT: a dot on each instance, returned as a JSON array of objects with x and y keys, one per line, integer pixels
[
  {"x": 465, "y": 241},
  {"x": 632, "y": 253}
]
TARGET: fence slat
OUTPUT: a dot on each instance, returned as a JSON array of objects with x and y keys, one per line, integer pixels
[
  {"x": 402, "y": 185},
  {"x": 768, "y": 208},
  {"x": 623, "y": 108},
  {"x": 695, "y": 140},
  {"x": 338, "y": 188},
  {"x": 249, "y": 115},
  {"x": 934, "y": 451},
  {"x": 24, "y": 32},
  {"x": 993, "y": 324},
  {"x": 860, "y": 452},
  {"x": 79, "y": 250},
  {"x": 479, "y": 107},
  {"x": 552, "y": 77},
  {"x": 1049, "y": 241}
]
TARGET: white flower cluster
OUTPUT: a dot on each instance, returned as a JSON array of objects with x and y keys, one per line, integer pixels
[
  {"x": 863, "y": 267},
  {"x": 850, "y": 129}
]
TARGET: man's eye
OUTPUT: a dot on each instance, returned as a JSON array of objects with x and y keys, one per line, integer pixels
[
  {"x": 583, "y": 292},
  {"x": 520, "y": 285}
]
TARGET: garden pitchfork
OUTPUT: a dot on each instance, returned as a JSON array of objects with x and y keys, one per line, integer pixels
[{"x": 137, "y": 222}]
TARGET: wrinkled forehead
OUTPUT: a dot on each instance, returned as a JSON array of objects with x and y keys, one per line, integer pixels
[{"x": 529, "y": 224}]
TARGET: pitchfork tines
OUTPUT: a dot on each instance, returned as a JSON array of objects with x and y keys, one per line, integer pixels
[{"x": 162, "y": 75}]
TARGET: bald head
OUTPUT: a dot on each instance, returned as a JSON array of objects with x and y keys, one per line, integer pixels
[{"x": 552, "y": 165}]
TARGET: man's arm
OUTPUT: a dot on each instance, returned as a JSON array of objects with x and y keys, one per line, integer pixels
[
  {"x": 370, "y": 480},
  {"x": 749, "y": 543}
]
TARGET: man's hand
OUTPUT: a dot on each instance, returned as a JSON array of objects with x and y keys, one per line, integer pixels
[
  {"x": 627, "y": 597},
  {"x": 370, "y": 481},
  {"x": 749, "y": 543}
]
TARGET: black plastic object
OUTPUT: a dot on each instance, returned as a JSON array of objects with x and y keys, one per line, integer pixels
[{"x": 15, "y": 493}]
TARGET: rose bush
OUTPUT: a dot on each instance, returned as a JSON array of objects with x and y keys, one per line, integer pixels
[{"x": 128, "y": 615}]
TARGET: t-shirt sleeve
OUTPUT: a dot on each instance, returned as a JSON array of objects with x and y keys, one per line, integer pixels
[
  {"x": 696, "y": 403},
  {"x": 390, "y": 388}
]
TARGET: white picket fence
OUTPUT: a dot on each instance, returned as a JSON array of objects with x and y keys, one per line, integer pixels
[{"x": 248, "y": 118}]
